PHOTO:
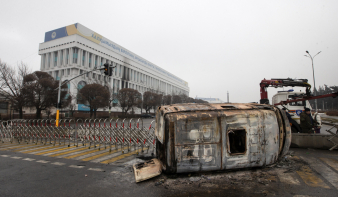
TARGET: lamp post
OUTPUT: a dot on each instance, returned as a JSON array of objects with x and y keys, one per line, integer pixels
[{"x": 313, "y": 74}]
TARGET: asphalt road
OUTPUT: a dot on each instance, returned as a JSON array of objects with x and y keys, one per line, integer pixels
[{"x": 303, "y": 172}]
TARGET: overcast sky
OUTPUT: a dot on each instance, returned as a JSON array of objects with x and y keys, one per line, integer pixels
[{"x": 216, "y": 46}]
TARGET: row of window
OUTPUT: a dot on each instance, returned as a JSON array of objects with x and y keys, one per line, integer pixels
[{"x": 90, "y": 60}]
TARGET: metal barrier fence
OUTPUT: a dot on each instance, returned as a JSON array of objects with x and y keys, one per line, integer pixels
[{"x": 92, "y": 133}]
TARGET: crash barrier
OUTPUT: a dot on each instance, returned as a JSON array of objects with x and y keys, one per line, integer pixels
[
  {"x": 123, "y": 134},
  {"x": 334, "y": 136}
]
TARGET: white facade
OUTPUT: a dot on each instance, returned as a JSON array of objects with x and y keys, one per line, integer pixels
[{"x": 75, "y": 49}]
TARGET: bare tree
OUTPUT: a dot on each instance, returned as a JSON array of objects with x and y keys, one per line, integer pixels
[
  {"x": 11, "y": 84},
  {"x": 158, "y": 100},
  {"x": 148, "y": 101},
  {"x": 94, "y": 96},
  {"x": 167, "y": 99},
  {"x": 184, "y": 98},
  {"x": 176, "y": 99},
  {"x": 128, "y": 99},
  {"x": 40, "y": 91}
]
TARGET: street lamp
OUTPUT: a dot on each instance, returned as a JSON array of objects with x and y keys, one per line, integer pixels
[{"x": 313, "y": 74}]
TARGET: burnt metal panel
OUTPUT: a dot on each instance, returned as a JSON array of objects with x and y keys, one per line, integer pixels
[
  {"x": 196, "y": 136},
  {"x": 271, "y": 137},
  {"x": 197, "y": 141}
]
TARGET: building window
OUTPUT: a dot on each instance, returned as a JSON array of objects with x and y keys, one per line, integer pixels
[
  {"x": 99, "y": 77},
  {"x": 131, "y": 74},
  {"x": 68, "y": 71},
  {"x": 90, "y": 60},
  {"x": 95, "y": 60},
  {"x": 57, "y": 75},
  {"x": 49, "y": 56},
  {"x": 75, "y": 51},
  {"x": 44, "y": 60},
  {"x": 116, "y": 70},
  {"x": 102, "y": 61},
  {"x": 61, "y": 57},
  {"x": 55, "y": 58},
  {"x": 67, "y": 55},
  {"x": 83, "y": 58}
]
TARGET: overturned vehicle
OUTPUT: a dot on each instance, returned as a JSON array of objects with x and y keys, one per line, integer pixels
[{"x": 206, "y": 137}]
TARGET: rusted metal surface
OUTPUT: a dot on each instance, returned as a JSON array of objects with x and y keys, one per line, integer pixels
[{"x": 205, "y": 137}]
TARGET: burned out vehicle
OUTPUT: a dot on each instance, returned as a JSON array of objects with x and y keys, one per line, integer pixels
[{"x": 206, "y": 137}]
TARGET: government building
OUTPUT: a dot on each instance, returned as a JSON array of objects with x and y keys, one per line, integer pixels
[{"x": 73, "y": 50}]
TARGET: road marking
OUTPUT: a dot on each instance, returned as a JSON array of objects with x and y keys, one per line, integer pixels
[
  {"x": 102, "y": 154},
  {"x": 46, "y": 147},
  {"x": 96, "y": 169},
  {"x": 53, "y": 151},
  {"x": 63, "y": 152},
  {"x": 67, "y": 152},
  {"x": 323, "y": 170},
  {"x": 4, "y": 155},
  {"x": 58, "y": 163},
  {"x": 120, "y": 157},
  {"x": 29, "y": 148},
  {"x": 287, "y": 178},
  {"x": 80, "y": 154},
  {"x": 17, "y": 146},
  {"x": 331, "y": 162},
  {"x": 16, "y": 157},
  {"x": 29, "y": 159},
  {"x": 310, "y": 179},
  {"x": 42, "y": 161},
  {"x": 74, "y": 166},
  {"x": 7, "y": 145}
]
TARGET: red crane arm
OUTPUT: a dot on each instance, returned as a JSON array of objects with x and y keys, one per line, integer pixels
[
  {"x": 281, "y": 83},
  {"x": 308, "y": 98}
]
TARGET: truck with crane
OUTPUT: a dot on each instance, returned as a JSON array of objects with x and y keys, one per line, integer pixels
[{"x": 294, "y": 102}]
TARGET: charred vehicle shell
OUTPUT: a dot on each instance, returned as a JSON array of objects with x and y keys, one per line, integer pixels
[{"x": 206, "y": 137}]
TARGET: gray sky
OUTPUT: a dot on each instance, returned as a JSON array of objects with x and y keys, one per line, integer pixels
[{"x": 216, "y": 46}]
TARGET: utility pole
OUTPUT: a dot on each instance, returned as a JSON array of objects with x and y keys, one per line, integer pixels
[
  {"x": 58, "y": 104},
  {"x": 228, "y": 96},
  {"x": 313, "y": 74}
]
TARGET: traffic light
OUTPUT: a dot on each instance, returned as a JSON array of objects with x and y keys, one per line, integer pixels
[
  {"x": 58, "y": 105},
  {"x": 110, "y": 71},
  {"x": 106, "y": 68}
]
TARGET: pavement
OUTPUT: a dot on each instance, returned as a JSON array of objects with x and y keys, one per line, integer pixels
[
  {"x": 326, "y": 116},
  {"x": 37, "y": 171}
]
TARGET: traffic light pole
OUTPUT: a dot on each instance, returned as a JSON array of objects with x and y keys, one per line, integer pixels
[
  {"x": 58, "y": 104},
  {"x": 68, "y": 80}
]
